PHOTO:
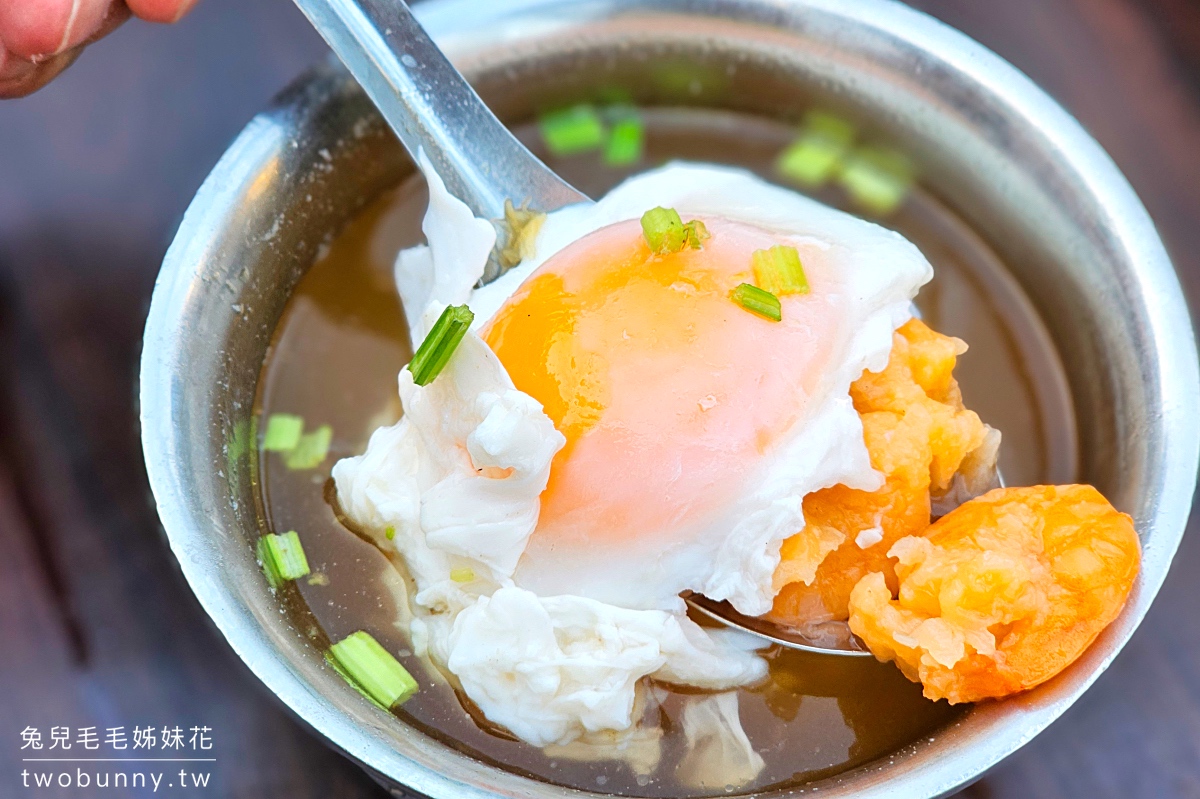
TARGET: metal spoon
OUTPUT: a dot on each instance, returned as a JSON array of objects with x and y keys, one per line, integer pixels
[
  {"x": 825, "y": 638},
  {"x": 432, "y": 108}
]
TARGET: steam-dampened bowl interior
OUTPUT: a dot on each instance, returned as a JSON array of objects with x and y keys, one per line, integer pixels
[{"x": 985, "y": 142}]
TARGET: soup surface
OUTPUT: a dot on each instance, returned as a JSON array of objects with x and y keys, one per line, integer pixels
[{"x": 343, "y": 339}]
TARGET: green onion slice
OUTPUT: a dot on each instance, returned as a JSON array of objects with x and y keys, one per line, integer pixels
[
  {"x": 288, "y": 554},
  {"x": 282, "y": 557},
  {"x": 389, "y": 532},
  {"x": 809, "y": 162},
  {"x": 370, "y": 668},
  {"x": 311, "y": 450},
  {"x": 665, "y": 231},
  {"x": 779, "y": 271},
  {"x": 572, "y": 130},
  {"x": 462, "y": 575},
  {"x": 755, "y": 300},
  {"x": 624, "y": 145},
  {"x": 435, "y": 351},
  {"x": 267, "y": 561},
  {"x": 697, "y": 234},
  {"x": 333, "y": 663},
  {"x": 283, "y": 432},
  {"x": 816, "y": 154},
  {"x": 878, "y": 178}
]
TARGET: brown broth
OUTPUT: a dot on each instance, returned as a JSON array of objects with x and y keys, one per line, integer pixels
[{"x": 334, "y": 360}]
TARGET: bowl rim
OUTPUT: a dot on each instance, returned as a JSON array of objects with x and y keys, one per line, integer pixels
[{"x": 1170, "y": 329}]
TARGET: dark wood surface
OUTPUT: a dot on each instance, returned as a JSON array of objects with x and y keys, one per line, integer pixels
[{"x": 97, "y": 627}]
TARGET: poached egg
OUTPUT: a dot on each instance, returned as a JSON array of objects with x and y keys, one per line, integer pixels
[{"x": 616, "y": 430}]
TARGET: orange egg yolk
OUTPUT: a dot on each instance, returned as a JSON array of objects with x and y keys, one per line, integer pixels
[{"x": 668, "y": 392}]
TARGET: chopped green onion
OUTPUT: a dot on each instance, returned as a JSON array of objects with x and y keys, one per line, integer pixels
[
  {"x": 697, "y": 233},
  {"x": 665, "y": 231},
  {"x": 816, "y": 155},
  {"x": 282, "y": 557},
  {"x": 366, "y": 665},
  {"x": 333, "y": 663},
  {"x": 435, "y": 351},
  {"x": 572, "y": 130},
  {"x": 283, "y": 432},
  {"x": 311, "y": 450},
  {"x": 877, "y": 178},
  {"x": 269, "y": 567},
  {"x": 809, "y": 162},
  {"x": 778, "y": 270},
  {"x": 287, "y": 554},
  {"x": 389, "y": 532},
  {"x": 462, "y": 575},
  {"x": 755, "y": 300},
  {"x": 319, "y": 579},
  {"x": 624, "y": 145}
]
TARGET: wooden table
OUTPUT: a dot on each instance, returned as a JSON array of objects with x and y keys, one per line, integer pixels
[{"x": 96, "y": 625}]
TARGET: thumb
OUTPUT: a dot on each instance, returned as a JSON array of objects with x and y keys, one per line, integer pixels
[
  {"x": 36, "y": 29},
  {"x": 20, "y": 75}
]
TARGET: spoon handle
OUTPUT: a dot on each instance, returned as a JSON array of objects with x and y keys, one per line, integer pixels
[{"x": 431, "y": 107}]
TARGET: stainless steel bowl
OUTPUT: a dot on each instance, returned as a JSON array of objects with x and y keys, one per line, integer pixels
[{"x": 988, "y": 142}]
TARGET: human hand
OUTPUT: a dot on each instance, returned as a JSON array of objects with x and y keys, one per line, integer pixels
[{"x": 40, "y": 38}]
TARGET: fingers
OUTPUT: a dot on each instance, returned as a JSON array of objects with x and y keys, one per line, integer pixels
[
  {"x": 35, "y": 29},
  {"x": 40, "y": 38},
  {"x": 160, "y": 10},
  {"x": 19, "y": 77},
  {"x": 31, "y": 29}
]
